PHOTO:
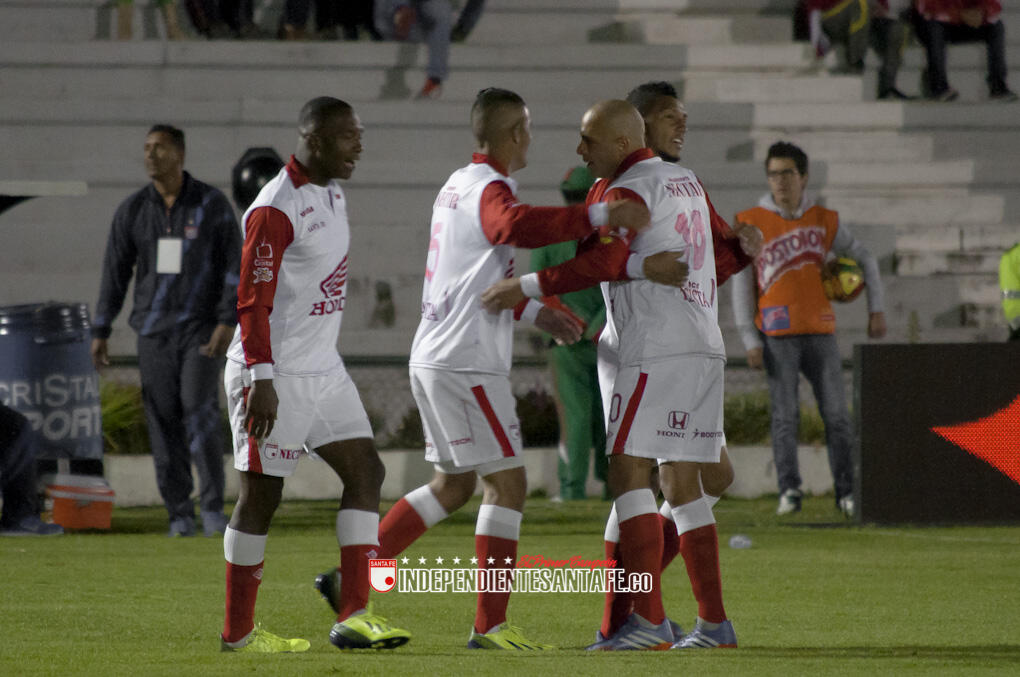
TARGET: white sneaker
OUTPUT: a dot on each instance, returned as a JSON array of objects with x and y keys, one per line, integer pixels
[
  {"x": 789, "y": 501},
  {"x": 847, "y": 506}
]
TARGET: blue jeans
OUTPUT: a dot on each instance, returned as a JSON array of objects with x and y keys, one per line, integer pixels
[
  {"x": 435, "y": 20},
  {"x": 817, "y": 357}
]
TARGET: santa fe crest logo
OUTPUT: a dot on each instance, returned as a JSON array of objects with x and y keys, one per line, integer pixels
[{"x": 382, "y": 574}]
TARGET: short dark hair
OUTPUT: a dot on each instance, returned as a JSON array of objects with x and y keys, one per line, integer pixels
[
  {"x": 784, "y": 149},
  {"x": 487, "y": 103},
  {"x": 176, "y": 135},
  {"x": 319, "y": 111},
  {"x": 644, "y": 97}
]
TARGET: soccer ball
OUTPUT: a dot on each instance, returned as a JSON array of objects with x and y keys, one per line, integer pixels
[{"x": 843, "y": 280}]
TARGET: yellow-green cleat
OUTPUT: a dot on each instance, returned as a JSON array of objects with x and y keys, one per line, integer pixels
[
  {"x": 367, "y": 630},
  {"x": 505, "y": 636},
  {"x": 263, "y": 641}
]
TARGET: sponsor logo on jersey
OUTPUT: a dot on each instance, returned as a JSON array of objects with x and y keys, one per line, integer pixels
[
  {"x": 798, "y": 248},
  {"x": 447, "y": 199},
  {"x": 333, "y": 289},
  {"x": 263, "y": 275},
  {"x": 684, "y": 186},
  {"x": 775, "y": 318},
  {"x": 308, "y": 210}
]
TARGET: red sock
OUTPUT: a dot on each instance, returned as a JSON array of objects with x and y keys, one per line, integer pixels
[
  {"x": 491, "y": 609},
  {"x": 354, "y": 583},
  {"x": 670, "y": 541},
  {"x": 700, "y": 549},
  {"x": 401, "y": 527},
  {"x": 242, "y": 588},
  {"x": 641, "y": 547},
  {"x": 618, "y": 604}
]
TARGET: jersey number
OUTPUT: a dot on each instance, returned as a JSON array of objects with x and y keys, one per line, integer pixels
[
  {"x": 692, "y": 230},
  {"x": 432, "y": 262}
]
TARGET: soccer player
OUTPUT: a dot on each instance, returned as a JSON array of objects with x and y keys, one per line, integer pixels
[
  {"x": 665, "y": 129},
  {"x": 287, "y": 389},
  {"x": 460, "y": 358},
  {"x": 667, "y": 399}
]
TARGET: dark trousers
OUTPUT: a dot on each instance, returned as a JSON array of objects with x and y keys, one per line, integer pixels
[
  {"x": 584, "y": 434},
  {"x": 17, "y": 468},
  {"x": 935, "y": 35},
  {"x": 180, "y": 391}
]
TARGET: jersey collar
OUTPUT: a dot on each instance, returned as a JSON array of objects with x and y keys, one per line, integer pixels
[
  {"x": 637, "y": 156},
  {"x": 297, "y": 172},
  {"x": 482, "y": 158}
]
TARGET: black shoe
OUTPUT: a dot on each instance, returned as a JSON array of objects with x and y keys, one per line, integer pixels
[
  {"x": 328, "y": 585},
  {"x": 892, "y": 94},
  {"x": 1003, "y": 96}
]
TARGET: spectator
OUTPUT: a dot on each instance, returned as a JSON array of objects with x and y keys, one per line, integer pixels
[
  {"x": 785, "y": 308},
  {"x": 357, "y": 14},
  {"x": 938, "y": 22},
  {"x": 575, "y": 377},
  {"x": 426, "y": 21},
  {"x": 18, "y": 486},
  {"x": 467, "y": 19},
  {"x": 1009, "y": 283},
  {"x": 179, "y": 238},
  {"x": 125, "y": 19},
  {"x": 856, "y": 24}
]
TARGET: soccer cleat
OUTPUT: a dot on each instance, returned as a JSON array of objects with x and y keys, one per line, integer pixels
[
  {"x": 701, "y": 637},
  {"x": 366, "y": 630},
  {"x": 789, "y": 501},
  {"x": 600, "y": 642},
  {"x": 637, "y": 634},
  {"x": 328, "y": 585},
  {"x": 263, "y": 641},
  {"x": 676, "y": 629},
  {"x": 505, "y": 636}
]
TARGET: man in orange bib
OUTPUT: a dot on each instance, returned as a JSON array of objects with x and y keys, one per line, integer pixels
[{"x": 787, "y": 323}]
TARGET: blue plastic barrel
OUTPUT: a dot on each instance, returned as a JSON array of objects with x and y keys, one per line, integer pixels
[{"x": 46, "y": 373}]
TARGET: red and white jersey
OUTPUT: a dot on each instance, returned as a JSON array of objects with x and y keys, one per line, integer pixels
[
  {"x": 476, "y": 223},
  {"x": 290, "y": 299},
  {"x": 656, "y": 321}
]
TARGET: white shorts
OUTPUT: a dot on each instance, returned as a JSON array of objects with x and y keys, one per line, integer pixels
[
  {"x": 469, "y": 419},
  {"x": 313, "y": 411},
  {"x": 671, "y": 410}
]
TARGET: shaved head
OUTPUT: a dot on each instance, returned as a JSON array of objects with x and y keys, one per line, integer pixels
[
  {"x": 319, "y": 112},
  {"x": 494, "y": 114},
  {"x": 610, "y": 131}
]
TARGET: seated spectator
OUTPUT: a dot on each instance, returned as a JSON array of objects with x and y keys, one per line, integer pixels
[
  {"x": 858, "y": 24},
  {"x": 18, "y": 486},
  {"x": 428, "y": 21},
  {"x": 125, "y": 19},
  {"x": 938, "y": 22},
  {"x": 354, "y": 15}
]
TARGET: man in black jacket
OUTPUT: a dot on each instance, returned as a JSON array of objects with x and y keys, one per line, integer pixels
[{"x": 180, "y": 240}]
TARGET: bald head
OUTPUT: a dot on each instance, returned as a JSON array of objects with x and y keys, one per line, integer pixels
[
  {"x": 610, "y": 131},
  {"x": 320, "y": 112}
]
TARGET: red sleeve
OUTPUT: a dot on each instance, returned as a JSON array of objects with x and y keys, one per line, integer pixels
[
  {"x": 730, "y": 258},
  {"x": 268, "y": 232},
  {"x": 507, "y": 221},
  {"x": 600, "y": 257}
]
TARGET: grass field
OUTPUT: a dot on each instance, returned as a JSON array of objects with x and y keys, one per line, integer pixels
[{"x": 813, "y": 596}]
